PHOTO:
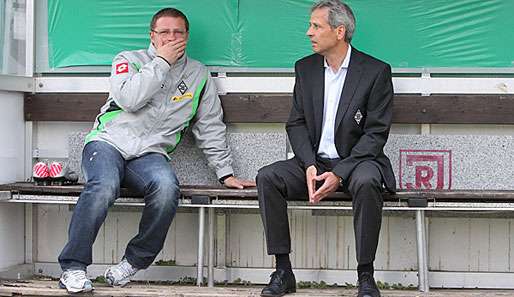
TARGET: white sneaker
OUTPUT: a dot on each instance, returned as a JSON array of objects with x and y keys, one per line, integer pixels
[
  {"x": 120, "y": 274},
  {"x": 75, "y": 281}
]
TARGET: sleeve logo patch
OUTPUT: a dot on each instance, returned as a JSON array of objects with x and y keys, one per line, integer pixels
[{"x": 122, "y": 68}]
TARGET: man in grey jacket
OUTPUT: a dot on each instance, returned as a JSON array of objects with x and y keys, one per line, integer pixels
[{"x": 155, "y": 95}]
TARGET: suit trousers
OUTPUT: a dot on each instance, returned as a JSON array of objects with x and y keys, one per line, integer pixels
[{"x": 285, "y": 180}]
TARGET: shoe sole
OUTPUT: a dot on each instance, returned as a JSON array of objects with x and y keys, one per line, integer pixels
[
  {"x": 85, "y": 290},
  {"x": 118, "y": 285},
  {"x": 287, "y": 292}
]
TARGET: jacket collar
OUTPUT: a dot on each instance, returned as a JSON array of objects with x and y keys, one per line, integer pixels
[
  {"x": 353, "y": 77},
  {"x": 353, "y": 61}
]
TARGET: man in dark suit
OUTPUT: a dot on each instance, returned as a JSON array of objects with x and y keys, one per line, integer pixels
[{"x": 338, "y": 126}]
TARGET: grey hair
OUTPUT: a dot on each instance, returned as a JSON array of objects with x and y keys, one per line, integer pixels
[{"x": 339, "y": 13}]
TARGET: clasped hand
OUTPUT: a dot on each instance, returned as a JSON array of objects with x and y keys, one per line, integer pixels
[{"x": 330, "y": 184}]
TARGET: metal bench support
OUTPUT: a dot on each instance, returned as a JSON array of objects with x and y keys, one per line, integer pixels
[
  {"x": 201, "y": 227},
  {"x": 210, "y": 272},
  {"x": 422, "y": 251}
]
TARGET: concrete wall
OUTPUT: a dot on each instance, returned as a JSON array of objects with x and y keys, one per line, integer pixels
[
  {"x": 11, "y": 169},
  {"x": 12, "y": 131},
  {"x": 11, "y": 235}
]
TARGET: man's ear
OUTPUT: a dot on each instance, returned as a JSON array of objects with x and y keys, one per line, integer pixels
[{"x": 341, "y": 32}]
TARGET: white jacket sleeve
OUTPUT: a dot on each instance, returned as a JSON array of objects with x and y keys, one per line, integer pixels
[{"x": 210, "y": 131}]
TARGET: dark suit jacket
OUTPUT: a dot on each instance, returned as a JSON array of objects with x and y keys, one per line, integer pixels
[{"x": 368, "y": 88}]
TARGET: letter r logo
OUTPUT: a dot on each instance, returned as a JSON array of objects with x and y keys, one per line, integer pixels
[{"x": 425, "y": 169}]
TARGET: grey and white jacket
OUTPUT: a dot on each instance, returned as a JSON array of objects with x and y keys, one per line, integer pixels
[{"x": 151, "y": 104}]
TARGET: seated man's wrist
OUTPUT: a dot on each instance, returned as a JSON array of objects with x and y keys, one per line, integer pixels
[
  {"x": 340, "y": 179},
  {"x": 223, "y": 178},
  {"x": 169, "y": 64}
]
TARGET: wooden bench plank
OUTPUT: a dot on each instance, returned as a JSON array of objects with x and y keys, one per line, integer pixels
[
  {"x": 202, "y": 190},
  {"x": 83, "y": 107},
  {"x": 454, "y": 109},
  {"x": 274, "y": 108}
]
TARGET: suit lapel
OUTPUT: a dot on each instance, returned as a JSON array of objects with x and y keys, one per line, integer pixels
[
  {"x": 318, "y": 83},
  {"x": 353, "y": 77}
]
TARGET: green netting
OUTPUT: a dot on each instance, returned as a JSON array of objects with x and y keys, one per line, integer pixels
[{"x": 271, "y": 33}]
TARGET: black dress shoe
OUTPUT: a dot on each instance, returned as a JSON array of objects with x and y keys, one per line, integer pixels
[
  {"x": 367, "y": 286},
  {"x": 281, "y": 283}
]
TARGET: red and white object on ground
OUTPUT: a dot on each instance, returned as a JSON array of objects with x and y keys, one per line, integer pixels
[
  {"x": 40, "y": 170},
  {"x": 55, "y": 170},
  {"x": 41, "y": 174}
]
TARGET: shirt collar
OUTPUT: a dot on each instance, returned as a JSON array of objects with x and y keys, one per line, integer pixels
[{"x": 346, "y": 60}]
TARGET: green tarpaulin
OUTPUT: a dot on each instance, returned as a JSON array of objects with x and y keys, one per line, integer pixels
[{"x": 271, "y": 33}]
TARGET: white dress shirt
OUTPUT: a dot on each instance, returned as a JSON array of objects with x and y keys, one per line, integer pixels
[{"x": 334, "y": 82}]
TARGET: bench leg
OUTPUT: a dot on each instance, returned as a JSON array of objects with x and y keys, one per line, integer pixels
[
  {"x": 201, "y": 232},
  {"x": 29, "y": 232},
  {"x": 422, "y": 251},
  {"x": 210, "y": 272}
]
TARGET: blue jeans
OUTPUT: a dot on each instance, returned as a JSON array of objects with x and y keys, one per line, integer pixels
[{"x": 105, "y": 171}]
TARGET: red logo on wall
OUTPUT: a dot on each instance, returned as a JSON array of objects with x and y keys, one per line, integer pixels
[
  {"x": 121, "y": 68},
  {"x": 425, "y": 169}
]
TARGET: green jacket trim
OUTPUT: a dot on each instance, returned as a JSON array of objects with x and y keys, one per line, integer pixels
[
  {"x": 196, "y": 100},
  {"x": 102, "y": 120}
]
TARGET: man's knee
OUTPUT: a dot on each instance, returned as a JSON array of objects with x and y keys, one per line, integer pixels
[
  {"x": 266, "y": 174},
  {"x": 166, "y": 188},
  {"x": 365, "y": 176},
  {"x": 102, "y": 191}
]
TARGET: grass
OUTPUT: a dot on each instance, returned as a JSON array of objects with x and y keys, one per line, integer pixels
[
  {"x": 398, "y": 286},
  {"x": 100, "y": 280},
  {"x": 314, "y": 285}
]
